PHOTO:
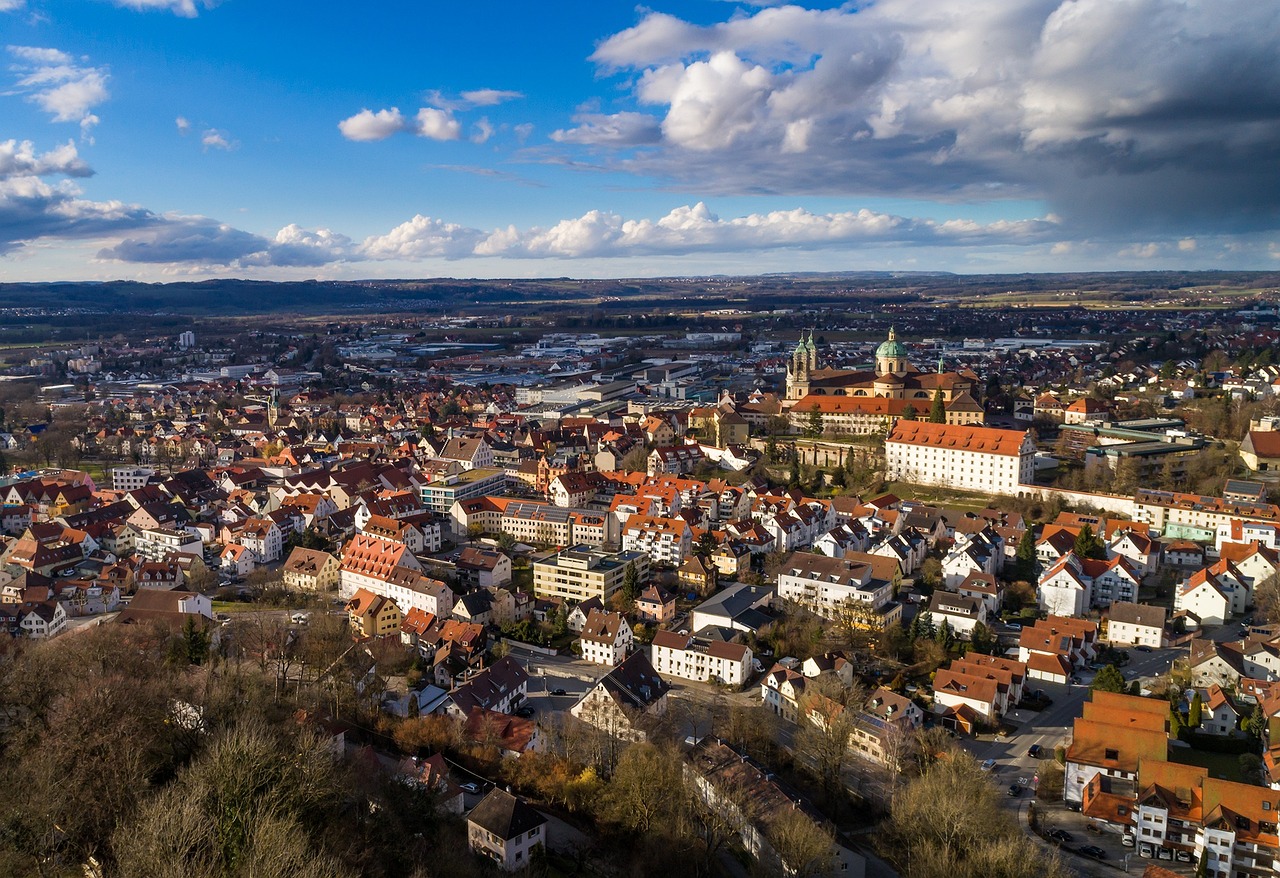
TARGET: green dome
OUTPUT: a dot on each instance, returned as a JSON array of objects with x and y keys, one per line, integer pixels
[{"x": 892, "y": 348}]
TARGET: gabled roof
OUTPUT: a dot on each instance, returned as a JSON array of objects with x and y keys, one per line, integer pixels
[{"x": 505, "y": 816}]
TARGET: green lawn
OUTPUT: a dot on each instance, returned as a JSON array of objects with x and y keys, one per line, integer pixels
[{"x": 1224, "y": 765}]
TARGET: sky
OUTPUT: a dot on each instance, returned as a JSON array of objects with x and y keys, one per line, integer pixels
[{"x": 185, "y": 139}]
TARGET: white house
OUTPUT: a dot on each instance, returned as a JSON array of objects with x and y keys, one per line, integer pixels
[
  {"x": 962, "y": 614},
  {"x": 1136, "y": 624},
  {"x": 704, "y": 660},
  {"x": 606, "y": 638}
]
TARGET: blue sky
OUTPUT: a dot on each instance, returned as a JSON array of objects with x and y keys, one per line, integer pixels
[{"x": 166, "y": 139}]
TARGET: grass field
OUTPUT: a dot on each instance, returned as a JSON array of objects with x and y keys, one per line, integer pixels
[{"x": 1224, "y": 765}]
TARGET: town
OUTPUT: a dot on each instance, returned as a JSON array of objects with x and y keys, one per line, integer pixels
[{"x": 933, "y": 587}]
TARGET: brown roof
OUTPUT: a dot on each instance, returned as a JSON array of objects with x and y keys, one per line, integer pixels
[{"x": 1138, "y": 614}]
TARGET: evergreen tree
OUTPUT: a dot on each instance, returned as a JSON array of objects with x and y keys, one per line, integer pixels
[
  {"x": 1088, "y": 545},
  {"x": 909, "y": 413},
  {"x": 944, "y": 636},
  {"x": 1195, "y": 711},
  {"x": 1027, "y": 562},
  {"x": 630, "y": 586},
  {"x": 925, "y": 630},
  {"x": 1109, "y": 679},
  {"x": 981, "y": 640},
  {"x": 195, "y": 642},
  {"x": 813, "y": 426},
  {"x": 1255, "y": 723},
  {"x": 793, "y": 478},
  {"x": 938, "y": 411}
]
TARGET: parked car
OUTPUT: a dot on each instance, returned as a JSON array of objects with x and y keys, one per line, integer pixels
[
  {"x": 1146, "y": 849},
  {"x": 988, "y": 764},
  {"x": 1060, "y": 835},
  {"x": 559, "y": 692},
  {"x": 1182, "y": 856},
  {"x": 1164, "y": 853},
  {"x": 1091, "y": 850},
  {"x": 300, "y": 618},
  {"x": 471, "y": 788},
  {"x": 1015, "y": 790},
  {"x": 1034, "y": 751},
  {"x": 1143, "y": 648},
  {"x": 1127, "y": 839},
  {"x": 525, "y": 712}
]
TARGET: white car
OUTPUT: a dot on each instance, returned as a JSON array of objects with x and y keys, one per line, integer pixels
[{"x": 300, "y": 618}]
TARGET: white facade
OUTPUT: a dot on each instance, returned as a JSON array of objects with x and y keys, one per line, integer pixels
[{"x": 968, "y": 458}]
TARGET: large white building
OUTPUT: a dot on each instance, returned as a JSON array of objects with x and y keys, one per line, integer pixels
[
  {"x": 715, "y": 661},
  {"x": 821, "y": 585},
  {"x": 968, "y": 458}
]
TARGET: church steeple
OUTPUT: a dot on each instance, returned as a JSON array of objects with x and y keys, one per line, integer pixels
[{"x": 940, "y": 369}]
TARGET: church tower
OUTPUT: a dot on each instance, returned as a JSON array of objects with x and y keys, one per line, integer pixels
[
  {"x": 891, "y": 356},
  {"x": 804, "y": 360}
]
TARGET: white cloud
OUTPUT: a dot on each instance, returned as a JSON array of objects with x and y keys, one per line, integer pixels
[
  {"x": 422, "y": 238},
  {"x": 618, "y": 129},
  {"x": 435, "y": 124},
  {"x": 11, "y": 5},
  {"x": 19, "y": 159},
  {"x": 212, "y": 138},
  {"x": 182, "y": 8},
  {"x": 1187, "y": 245},
  {"x": 1117, "y": 113},
  {"x": 482, "y": 130},
  {"x": 430, "y": 122},
  {"x": 488, "y": 97},
  {"x": 53, "y": 81},
  {"x": 184, "y": 126},
  {"x": 368, "y": 125}
]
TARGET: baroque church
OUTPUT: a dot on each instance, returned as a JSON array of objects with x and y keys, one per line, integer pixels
[{"x": 860, "y": 401}]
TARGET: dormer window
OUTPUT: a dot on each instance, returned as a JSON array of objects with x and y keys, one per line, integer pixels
[{"x": 1111, "y": 754}]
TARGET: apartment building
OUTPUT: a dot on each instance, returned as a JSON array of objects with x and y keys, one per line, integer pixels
[
  {"x": 583, "y": 572},
  {"x": 823, "y": 585},
  {"x": 699, "y": 658}
]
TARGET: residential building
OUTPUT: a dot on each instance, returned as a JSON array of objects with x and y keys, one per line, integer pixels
[
  {"x": 664, "y": 540},
  {"x": 372, "y": 615},
  {"x": 655, "y": 606},
  {"x": 1136, "y": 625},
  {"x": 701, "y": 658},
  {"x": 439, "y": 495},
  {"x": 310, "y": 570},
  {"x": 623, "y": 700},
  {"x": 737, "y": 607},
  {"x": 828, "y": 586},
  {"x": 506, "y": 829},
  {"x": 606, "y": 638},
  {"x": 1113, "y": 736},
  {"x": 484, "y": 568},
  {"x": 582, "y": 572},
  {"x": 962, "y": 614}
]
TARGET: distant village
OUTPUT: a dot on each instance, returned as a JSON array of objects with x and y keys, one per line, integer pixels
[{"x": 1054, "y": 552}]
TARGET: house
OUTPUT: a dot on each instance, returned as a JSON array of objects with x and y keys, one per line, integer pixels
[
  {"x": 483, "y": 567},
  {"x": 983, "y": 587},
  {"x": 606, "y": 638},
  {"x": 471, "y": 453},
  {"x": 740, "y": 607},
  {"x": 372, "y": 615},
  {"x": 701, "y": 658},
  {"x": 655, "y": 606},
  {"x": 507, "y": 830},
  {"x": 698, "y": 575},
  {"x": 502, "y": 687},
  {"x": 170, "y": 608},
  {"x": 962, "y": 614},
  {"x": 623, "y": 701},
  {"x": 830, "y": 586},
  {"x": 512, "y": 736},
  {"x": 262, "y": 537},
  {"x": 850, "y": 536},
  {"x": 1184, "y": 553},
  {"x": 1219, "y": 714},
  {"x": 236, "y": 560},
  {"x": 577, "y": 618},
  {"x": 1056, "y": 646},
  {"x": 762, "y": 806},
  {"x": 310, "y": 570},
  {"x": 1204, "y": 596},
  {"x": 1136, "y": 624},
  {"x": 781, "y": 690}
]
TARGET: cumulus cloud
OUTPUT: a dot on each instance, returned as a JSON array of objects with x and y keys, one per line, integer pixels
[
  {"x": 34, "y": 208},
  {"x": 184, "y": 125},
  {"x": 437, "y": 124},
  {"x": 20, "y": 159},
  {"x": 430, "y": 122},
  {"x": 11, "y": 5},
  {"x": 1142, "y": 111},
  {"x": 54, "y": 81},
  {"x": 368, "y": 125},
  {"x": 212, "y": 138},
  {"x": 688, "y": 229}
]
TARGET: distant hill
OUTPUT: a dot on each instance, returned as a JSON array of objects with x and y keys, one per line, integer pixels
[{"x": 234, "y": 297}]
